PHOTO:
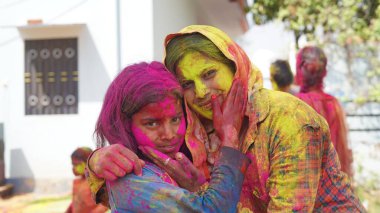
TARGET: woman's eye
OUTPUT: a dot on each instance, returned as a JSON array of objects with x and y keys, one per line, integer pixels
[
  {"x": 187, "y": 84},
  {"x": 209, "y": 74}
]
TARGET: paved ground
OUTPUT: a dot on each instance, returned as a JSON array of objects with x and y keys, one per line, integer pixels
[{"x": 30, "y": 203}]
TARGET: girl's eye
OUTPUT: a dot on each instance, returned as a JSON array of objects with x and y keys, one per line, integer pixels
[
  {"x": 176, "y": 119},
  {"x": 187, "y": 84},
  {"x": 151, "y": 124},
  {"x": 209, "y": 74}
]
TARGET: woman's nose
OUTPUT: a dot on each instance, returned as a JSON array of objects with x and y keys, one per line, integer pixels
[{"x": 200, "y": 89}]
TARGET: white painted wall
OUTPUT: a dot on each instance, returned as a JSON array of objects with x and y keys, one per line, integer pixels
[
  {"x": 170, "y": 16},
  {"x": 264, "y": 44},
  {"x": 38, "y": 146},
  {"x": 46, "y": 142},
  {"x": 136, "y": 31}
]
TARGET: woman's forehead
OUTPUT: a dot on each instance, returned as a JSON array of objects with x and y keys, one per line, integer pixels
[{"x": 193, "y": 62}]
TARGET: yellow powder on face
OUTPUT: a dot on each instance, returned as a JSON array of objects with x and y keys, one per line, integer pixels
[
  {"x": 206, "y": 76},
  {"x": 80, "y": 168}
]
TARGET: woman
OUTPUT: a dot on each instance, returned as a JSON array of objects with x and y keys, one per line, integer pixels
[
  {"x": 294, "y": 165},
  {"x": 142, "y": 110},
  {"x": 311, "y": 70}
]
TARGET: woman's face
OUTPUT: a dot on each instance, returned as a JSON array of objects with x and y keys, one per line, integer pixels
[
  {"x": 201, "y": 76},
  {"x": 160, "y": 125}
]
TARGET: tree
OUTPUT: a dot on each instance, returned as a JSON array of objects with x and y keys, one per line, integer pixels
[{"x": 351, "y": 25}]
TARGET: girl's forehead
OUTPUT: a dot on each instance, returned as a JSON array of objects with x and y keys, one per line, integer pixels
[{"x": 168, "y": 105}]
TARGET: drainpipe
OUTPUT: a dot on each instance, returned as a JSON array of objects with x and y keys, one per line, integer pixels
[{"x": 118, "y": 38}]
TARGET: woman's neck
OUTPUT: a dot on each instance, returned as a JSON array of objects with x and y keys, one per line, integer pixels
[
  {"x": 209, "y": 127},
  {"x": 207, "y": 124},
  {"x": 313, "y": 88}
]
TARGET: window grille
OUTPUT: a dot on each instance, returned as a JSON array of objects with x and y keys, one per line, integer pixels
[{"x": 51, "y": 76}]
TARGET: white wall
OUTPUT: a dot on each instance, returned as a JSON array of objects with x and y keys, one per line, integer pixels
[
  {"x": 170, "y": 16},
  {"x": 47, "y": 141},
  {"x": 136, "y": 31},
  {"x": 264, "y": 44},
  {"x": 38, "y": 146}
]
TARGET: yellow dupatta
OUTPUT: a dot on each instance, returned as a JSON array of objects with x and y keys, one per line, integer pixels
[{"x": 248, "y": 73}]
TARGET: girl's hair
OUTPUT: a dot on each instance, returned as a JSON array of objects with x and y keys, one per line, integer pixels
[
  {"x": 282, "y": 74},
  {"x": 136, "y": 86},
  {"x": 311, "y": 68},
  {"x": 81, "y": 154},
  {"x": 180, "y": 45}
]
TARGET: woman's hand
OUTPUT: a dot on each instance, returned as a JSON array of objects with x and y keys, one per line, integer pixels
[
  {"x": 228, "y": 118},
  {"x": 181, "y": 169},
  {"x": 114, "y": 161}
]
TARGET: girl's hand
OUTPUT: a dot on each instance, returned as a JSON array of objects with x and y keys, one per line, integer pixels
[{"x": 181, "y": 169}]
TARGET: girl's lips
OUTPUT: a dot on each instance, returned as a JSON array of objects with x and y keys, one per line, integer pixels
[{"x": 168, "y": 148}]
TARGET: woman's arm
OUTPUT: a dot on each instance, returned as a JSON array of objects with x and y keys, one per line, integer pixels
[{"x": 149, "y": 192}]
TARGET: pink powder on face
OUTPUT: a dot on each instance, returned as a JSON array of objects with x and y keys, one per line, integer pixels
[
  {"x": 141, "y": 138},
  {"x": 166, "y": 106},
  {"x": 169, "y": 109},
  {"x": 167, "y": 136},
  {"x": 182, "y": 127}
]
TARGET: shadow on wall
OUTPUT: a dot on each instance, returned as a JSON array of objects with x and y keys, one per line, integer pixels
[
  {"x": 21, "y": 176},
  {"x": 93, "y": 76}
]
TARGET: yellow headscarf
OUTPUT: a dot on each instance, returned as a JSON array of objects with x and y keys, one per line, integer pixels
[{"x": 248, "y": 73}]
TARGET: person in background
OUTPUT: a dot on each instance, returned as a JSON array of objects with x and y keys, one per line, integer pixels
[
  {"x": 82, "y": 200},
  {"x": 311, "y": 70},
  {"x": 281, "y": 77}
]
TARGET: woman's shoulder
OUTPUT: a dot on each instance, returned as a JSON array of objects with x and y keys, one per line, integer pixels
[{"x": 290, "y": 110}]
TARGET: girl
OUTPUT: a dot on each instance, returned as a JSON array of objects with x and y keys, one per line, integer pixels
[{"x": 142, "y": 110}]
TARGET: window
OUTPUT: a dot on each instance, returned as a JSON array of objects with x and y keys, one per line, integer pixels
[{"x": 51, "y": 76}]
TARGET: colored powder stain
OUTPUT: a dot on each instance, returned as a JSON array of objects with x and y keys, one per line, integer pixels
[
  {"x": 232, "y": 50},
  {"x": 196, "y": 67},
  {"x": 182, "y": 127},
  {"x": 163, "y": 113},
  {"x": 140, "y": 137},
  {"x": 225, "y": 82},
  {"x": 166, "y": 106},
  {"x": 80, "y": 168}
]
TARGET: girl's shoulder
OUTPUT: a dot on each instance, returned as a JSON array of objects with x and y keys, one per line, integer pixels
[{"x": 151, "y": 172}]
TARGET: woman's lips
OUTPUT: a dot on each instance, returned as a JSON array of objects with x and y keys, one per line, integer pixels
[{"x": 206, "y": 105}]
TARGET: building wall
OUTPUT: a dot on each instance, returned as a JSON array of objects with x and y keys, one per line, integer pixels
[
  {"x": 169, "y": 16},
  {"x": 39, "y": 147}
]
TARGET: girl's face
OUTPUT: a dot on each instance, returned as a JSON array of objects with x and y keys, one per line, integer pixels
[
  {"x": 273, "y": 71},
  {"x": 200, "y": 77},
  {"x": 78, "y": 167},
  {"x": 160, "y": 125}
]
